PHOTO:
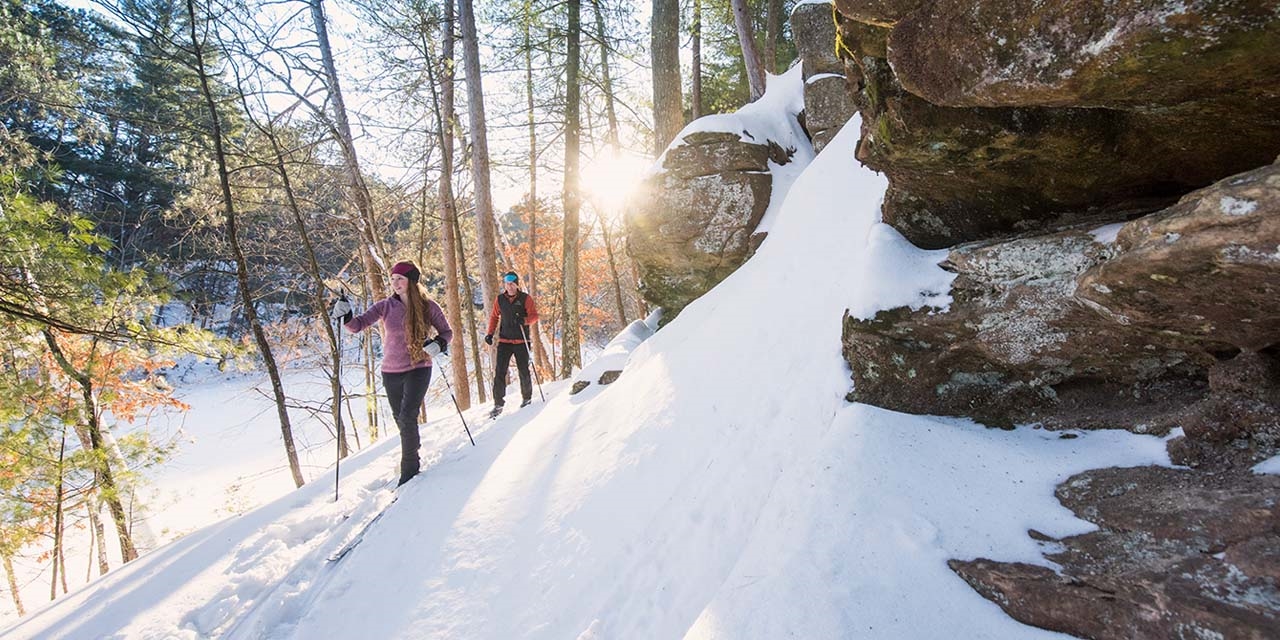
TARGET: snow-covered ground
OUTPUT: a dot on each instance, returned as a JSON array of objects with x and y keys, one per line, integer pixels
[{"x": 721, "y": 488}]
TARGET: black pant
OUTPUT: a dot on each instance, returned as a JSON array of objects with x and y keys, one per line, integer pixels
[
  {"x": 405, "y": 392},
  {"x": 505, "y": 350}
]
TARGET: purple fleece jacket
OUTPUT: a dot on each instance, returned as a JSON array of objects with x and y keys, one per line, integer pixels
[{"x": 391, "y": 311}]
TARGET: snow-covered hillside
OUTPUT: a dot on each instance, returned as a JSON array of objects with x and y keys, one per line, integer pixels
[{"x": 721, "y": 488}]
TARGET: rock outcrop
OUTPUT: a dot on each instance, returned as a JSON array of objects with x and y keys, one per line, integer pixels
[
  {"x": 1076, "y": 329},
  {"x": 695, "y": 221},
  {"x": 1000, "y": 117}
]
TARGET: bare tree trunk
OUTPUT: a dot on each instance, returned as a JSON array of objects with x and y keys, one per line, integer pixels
[
  {"x": 370, "y": 377},
  {"x": 540, "y": 360},
  {"x": 313, "y": 265},
  {"x": 615, "y": 147},
  {"x": 62, "y": 560},
  {"x": 372, "y": 251},
  {"x": 634, "y": 276},
  {"x": 242, "y": 271},
  {"x": 371, "y": 391},
  {"x": 506, "y": 255},
  {"x": 668, "y": 102},
  {"x": 14, "y": 592},
  {"x": 449, "y": 213},
  {"x": 481, "y": 393},
  {"x": 57, "y": 521},
  {"x": 695, "y": 83},
  {"x": 750, "y": 53},
  {"x": 605, "y": 77},
  {"x": 571, "y": 353},
  {"x": 313, "y": 268},
  {"x": 479, "y": 155},
  {"x": 99, "y": 535},
  {"x": 613, "y": 272},
  {"x": 420, "y": 256},
  {"x": 555, "y": 327},
  {"x": 93, "y": 506},
  {"x": 772, "y": 31},
  {"x": 93, "y": 541}
]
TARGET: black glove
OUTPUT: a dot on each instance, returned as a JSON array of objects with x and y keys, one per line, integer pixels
[
  {"x": 519, "y": 315},
  {"x": 444, "y": 346},
  {"x": 488, "y": 339}
]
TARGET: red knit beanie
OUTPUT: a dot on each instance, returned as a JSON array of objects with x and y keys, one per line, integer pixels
[{"x": 406, "y": 269}]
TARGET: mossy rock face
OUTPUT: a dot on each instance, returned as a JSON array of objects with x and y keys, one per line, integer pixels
[
  {"x": 1116, "y": 54},
  {"x": 815, "y": 36},
  {"x": 878, "y": 12},
  {"x": 985, "y": 129}
]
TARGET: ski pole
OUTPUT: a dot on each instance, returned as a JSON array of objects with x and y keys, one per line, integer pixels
[
  {"x": 337, "y": 375},
  {"x": 528, "y": 345},
  {"x": 448, "y": 386}
]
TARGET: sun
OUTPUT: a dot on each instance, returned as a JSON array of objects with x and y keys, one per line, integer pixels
[{"x": 610, "y": 179}]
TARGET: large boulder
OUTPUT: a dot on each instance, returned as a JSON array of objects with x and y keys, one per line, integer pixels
[
  {"x": 695, "y": 220},
  {"x": 1001, "y": 117},
  {"x": 1112, "y": 326}
]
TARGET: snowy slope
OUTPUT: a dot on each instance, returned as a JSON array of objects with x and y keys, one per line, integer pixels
[{"x": 721, "y": 488}]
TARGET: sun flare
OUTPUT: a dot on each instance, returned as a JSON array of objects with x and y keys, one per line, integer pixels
[{"x": 610, "y": 179}]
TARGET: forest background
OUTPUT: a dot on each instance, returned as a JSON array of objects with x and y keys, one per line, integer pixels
[{"x": 198, "y": 178}]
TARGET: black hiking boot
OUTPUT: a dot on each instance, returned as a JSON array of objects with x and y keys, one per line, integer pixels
[
  {"x": 526, "y": 402},
  {"x": 497, "y": 411}
]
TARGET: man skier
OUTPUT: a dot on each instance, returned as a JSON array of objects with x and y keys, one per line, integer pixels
[{"x": 513, "y": 312}]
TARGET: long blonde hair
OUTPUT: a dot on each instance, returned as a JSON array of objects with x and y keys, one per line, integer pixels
[{"x": 416, "y": 323}]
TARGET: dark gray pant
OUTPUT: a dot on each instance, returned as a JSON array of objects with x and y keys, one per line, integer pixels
[
  {"x": 405, "y": 392},
  {"x": 505, "y": 350}
]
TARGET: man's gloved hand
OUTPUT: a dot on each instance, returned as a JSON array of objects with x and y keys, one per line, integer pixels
[
  {"x": 340, "y": 309},
  {"x": 488, "y": 338},
  {"x": 519, "y": 315}
]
